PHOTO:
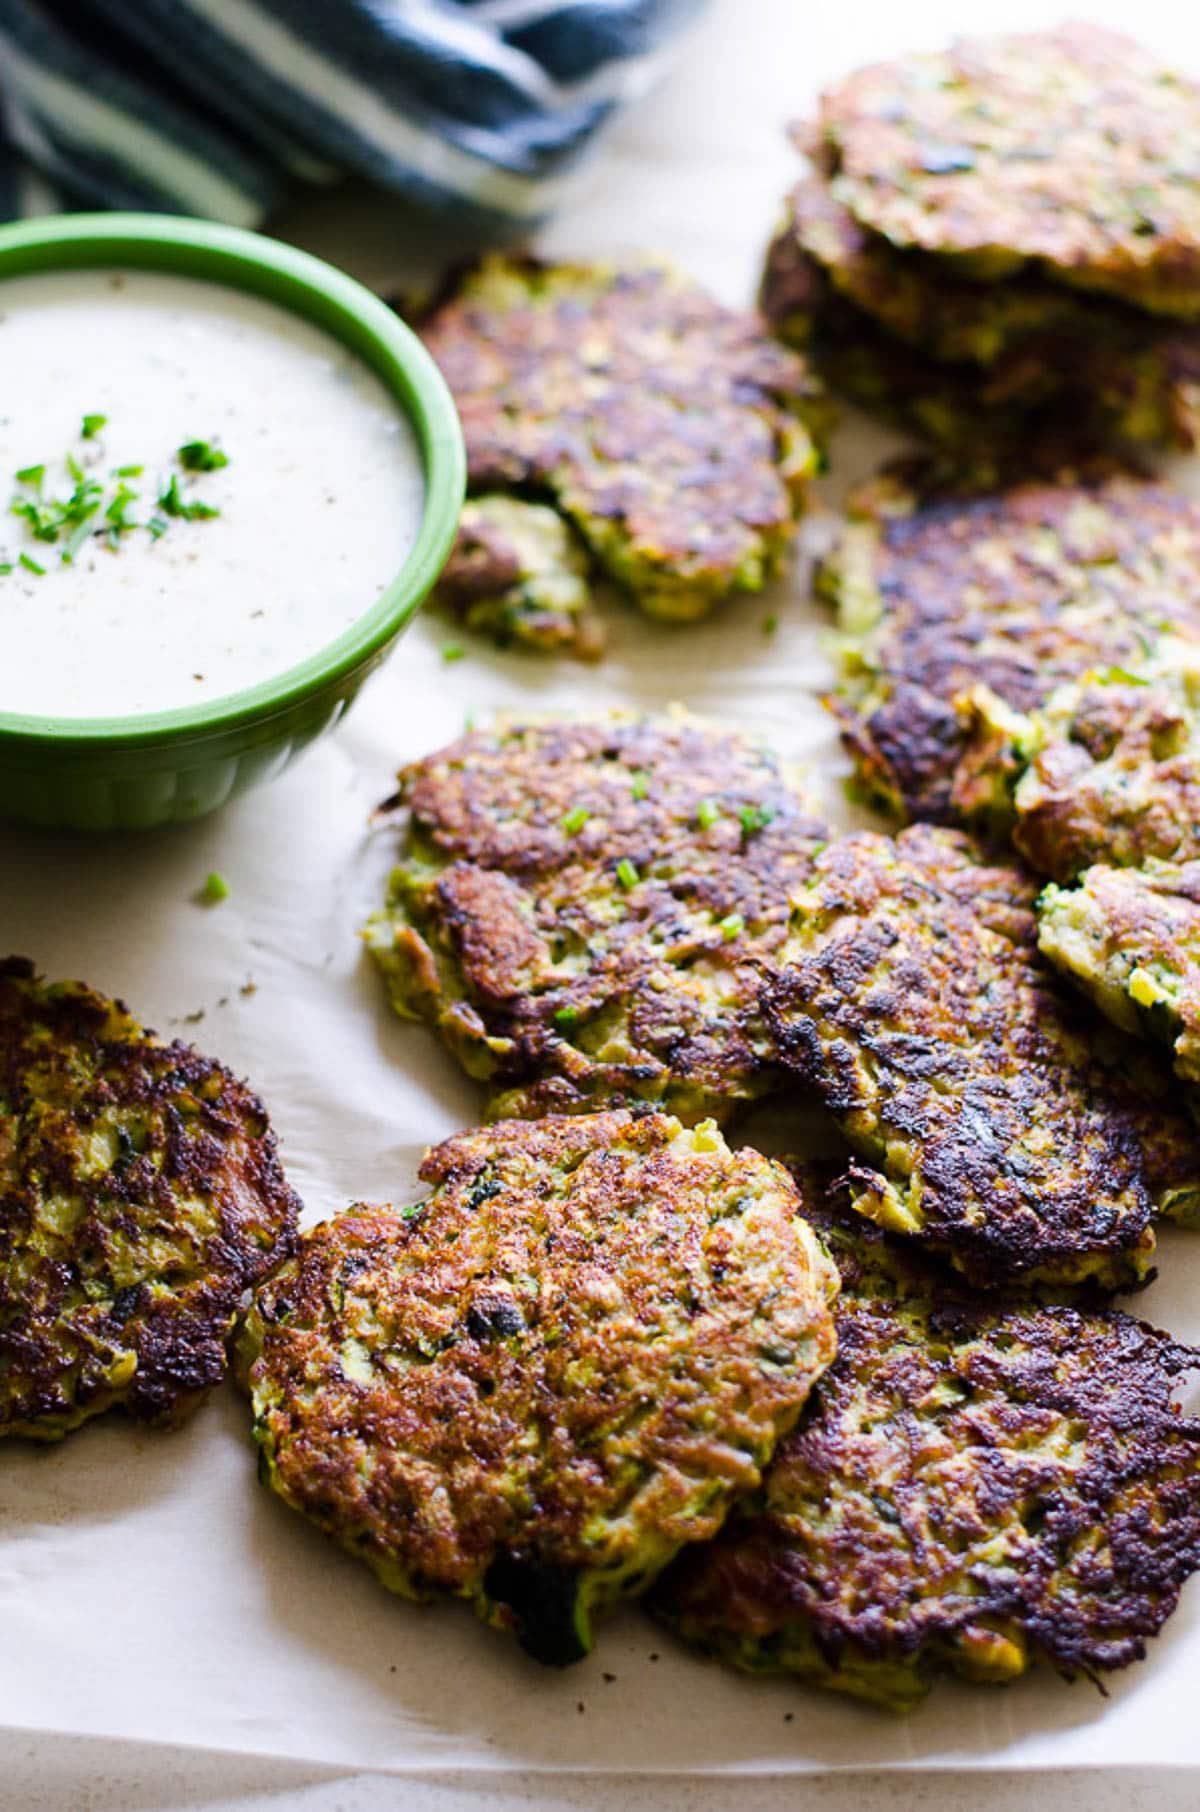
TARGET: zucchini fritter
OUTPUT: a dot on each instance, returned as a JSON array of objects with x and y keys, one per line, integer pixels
[
  {"x": 580, "y": 908},
  {"x": 972, "y": 1487},
  {"x": 1113, "y": 771},
  {"x": 667, "y": 429},
  {"x": 996, "y": 1121},
  {"x": 140, "y": 1195},
  {"x": 533, "y": 1388},
  {"x": 1073, "y": 151},
  {"x": 912, "y": 297},
  {"x": 517, "y": 573},
  {"x": 973, "y": 366},
  {"x": 1131, "y": 938},
  {"x": 1126, "y": 397},
  {"x": 1015, "y": 589}
]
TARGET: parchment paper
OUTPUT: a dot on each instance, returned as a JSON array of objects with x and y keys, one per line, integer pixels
[{"x": 149, "y": 1589}]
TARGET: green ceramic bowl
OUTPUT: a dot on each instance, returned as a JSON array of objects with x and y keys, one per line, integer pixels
[{"x": 131, "y": 773}]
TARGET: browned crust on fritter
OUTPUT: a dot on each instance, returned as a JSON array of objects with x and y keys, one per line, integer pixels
[
  {"x": 1130, "y": 937},
  {"x": 990, "y": 1120},
  {"x": 1118, "y": 782},
  {"x": 1074, "y": 149},
  {"x": 517, "y": 583},
  {"x": 598, "y": 992},
  {"x": 1130, "y": 384},
  {"x": 132, "y": 1270},
  {"x": 483, "y": 562},
  {"x": 567, "y": 1360},
  {"x": 964, "y": 1481},
  {"x": 1017, "y": 590},
  {"x": 911, "y": 296},
  {"x": 661, "y": 423}
]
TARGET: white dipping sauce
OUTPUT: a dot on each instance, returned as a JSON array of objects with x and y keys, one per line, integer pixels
[{"x": 319, "y": 504}]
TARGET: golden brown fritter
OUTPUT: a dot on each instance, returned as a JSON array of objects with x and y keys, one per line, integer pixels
[
  {"x": 140, "y": 1195},
  {"x": 974, "y": 1486},
  {"x": 1016, "y": 589},
  {"x": 1126, "y": 391},
  {"x": 995, "y": 1119},
  {"x": 667, "y": 429},
  {"x": 1130, "y": 937},
  {"x": 518, "y": 574},
  {"x": 909, "y": 294},
  {"x": 533, "y": 1388},
  {"x": 1073, "y": 150},
  {"x": 1114, "y": 768},
  {"x": 580, "y": 908},
  {"x": 973, "y": 364}
]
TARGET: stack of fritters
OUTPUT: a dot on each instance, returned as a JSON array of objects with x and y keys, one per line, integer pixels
[
  {"x": 1110, "y": 799},
  {"x": 619, "y": 421},
  {"x": 1025, "y": 660},
  {"x": 949, "y": 582},
  {"x": 1003, "y": 235}
]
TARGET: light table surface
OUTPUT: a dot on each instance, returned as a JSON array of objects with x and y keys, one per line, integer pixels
[{"x": 153, "y": 1725}]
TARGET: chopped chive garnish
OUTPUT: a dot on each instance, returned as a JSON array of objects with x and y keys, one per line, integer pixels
[
  {"x": 730, "y": 925},
  {"x": 215, "y": 889},
  {"x": 755, "y": 818},
  {"x": 575, "y": 820},
  {"x": 28, "y": 511},
  {"x": 627, "y": 873},
  {"x": 707, "y": 813},
  {"x": 70, "y": 517},
  {"x": 566, "y": 1016},
  {"x": 172, "y": 502},
  {"x": 639, "y": 786},
  {"x": 31, "y": 566},
  {"x": 411, "y": 1213},
  {"x": 201, "y": 456},
  {"x": 453, "y": 651},
  {"x": 6, "y": 567},
  {"x": 78, "y": 536},
  {"x": 770, "y": 624},
  {"x": 115, "y": 511}
]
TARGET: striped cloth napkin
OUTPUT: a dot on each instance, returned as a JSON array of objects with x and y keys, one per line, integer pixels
[{"x": 216, "y": 107}]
